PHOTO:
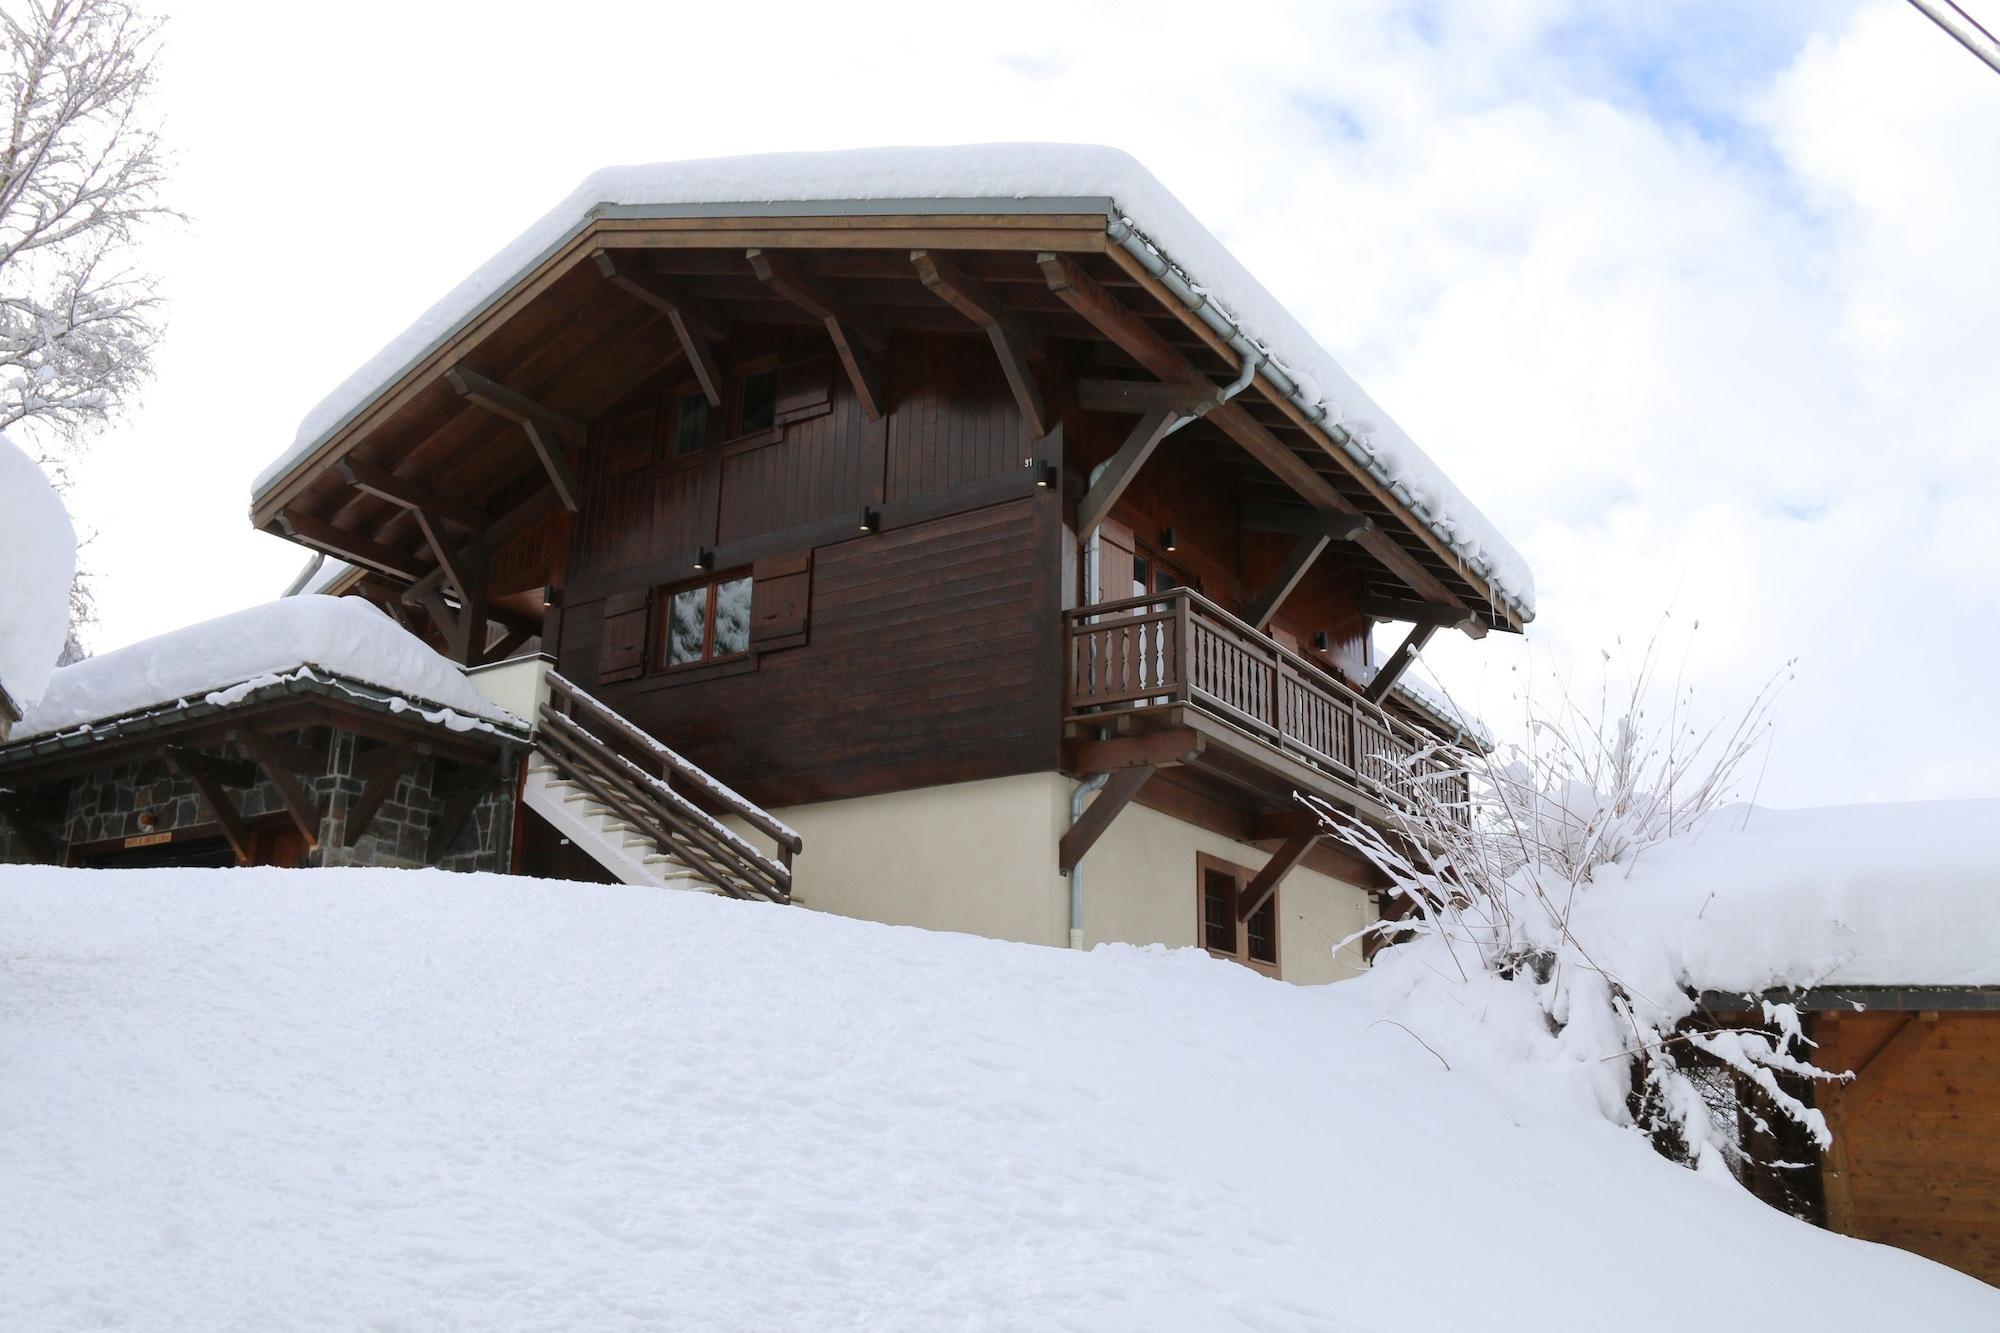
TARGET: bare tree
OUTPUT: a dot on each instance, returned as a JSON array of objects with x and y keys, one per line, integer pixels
[{"x": 81, "y": 175}]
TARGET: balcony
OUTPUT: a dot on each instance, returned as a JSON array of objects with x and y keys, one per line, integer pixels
[{"x": 1267, "y": 720}]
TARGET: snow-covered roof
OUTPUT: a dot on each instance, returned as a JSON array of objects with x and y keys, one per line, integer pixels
[
  {"x": 998, "y": 177},
  {"x": 1427, "y": 697},
  {"x": 221, "y": 660},
  {"x": 37, "y": 565},
  {"x": 1754, "y": 900}
]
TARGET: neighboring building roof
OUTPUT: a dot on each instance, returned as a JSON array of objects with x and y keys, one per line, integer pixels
[
  {"x": 224, "y": 660},
  {"x": 1753, "y": 900},
  {"x": 37, "y": 566},
  {"x": 1439, "y": 711},
  {"x": 995, "y": 178}
]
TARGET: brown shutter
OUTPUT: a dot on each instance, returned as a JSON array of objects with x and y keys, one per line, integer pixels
[
  {"x": 780, "y": 601},
  {"x": 621, "y": 652},
  {"x": 1114, "y": 561}
]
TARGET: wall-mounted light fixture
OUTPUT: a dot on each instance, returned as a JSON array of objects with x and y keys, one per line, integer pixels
[
  {"x": 1320, "y": 641},
  {"x": 549, "y": 596},
  {"x": 704, "y": 558},
  {"x": 1045, "y": 476},
  {"x": 1170, "y": 540},
  {"x": 871, "y": 520},
  {"x": 148, "y": 819}
]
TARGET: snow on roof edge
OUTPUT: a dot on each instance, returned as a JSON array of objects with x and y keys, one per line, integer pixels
[{"x": 878, "y": 179}]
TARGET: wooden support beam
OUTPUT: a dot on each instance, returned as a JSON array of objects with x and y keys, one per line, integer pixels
[
  {"x": 1145, "y": 396},
  {"x": 694, "y": 330},
  {"x": 379, "y": 771},
  {"x": 397, "y": 490},
  {"x": 289, "y": 755},
  {"x": 187, "y": 763},
  {"x": 1123, "y": 467},
  {"x": 1097, "y": 816},
  {"x": 456, "y": 572},
  {"x": 460, "y": 792},
  {"x": 1157, "y": 749},
  {"x": 1877, "y": 1074},
  {"x": 298, "y": 802},
  {"x": 853, "y": 335},
  {"x": 463, "y": 628},
  {"x": 1014, "y": 343},
  {"x": 351, "y": 547},
  {"x": 1267, "y": 601},
  {"x": 547, "y": 430},
  {"x": 1265, "y": 882},
  {"x": 508, "y": 526},
  {"x": 1136, "y": 339},
  {"x": 1417, "y": 613},
  {"x": 223, "y": 772},
  {"x": 1301, "y": 521},
  {"x": 1399, "y": 662}
]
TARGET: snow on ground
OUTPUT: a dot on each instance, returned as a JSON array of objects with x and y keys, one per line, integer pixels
[
  {"x": 1857, "y": 895},
  {"x": 409, "y": 1100},
  {"x": 37, "y": 564},
  {"x": 342, "y": 635},
  {"x": 994, "y": 173}
]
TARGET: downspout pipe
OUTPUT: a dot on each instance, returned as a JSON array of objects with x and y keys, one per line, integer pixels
[
  {"x": 305, "y": 575},
  {"x": 1134, "y": 243},
  {"x": 1076, "y": 799}
]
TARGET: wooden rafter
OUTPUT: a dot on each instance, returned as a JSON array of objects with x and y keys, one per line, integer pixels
[
  {"x": 412, "y": 495},
  {"x": 694, "y": 330},
  {"x": 1097, "y": 816},
  {"x": 853, "y": 335},
  {"x": 1122, "y": 468},
  {"x": 1157, "y": 749},
  {"x": 379, "y": 771},
  {"x": 1265, "y": 882},
  {"x": 1290, "y": 574},
  {"x": 1399, "y": 661},
  {"x": 279, "y": 766},
  {"x": 1300, "y": 521},
  {"x": 505, "y": 528},
  {"x": 1156, "y": 356},
  {"x": 456, "y": 572},
  {"x": 201, "y": 775},
  {"x": 547, "y": 430},
  {"x": 351, "y": 547},
  {"x": 1145, "y": 396},
  {"x": 1014, "y": 343}
]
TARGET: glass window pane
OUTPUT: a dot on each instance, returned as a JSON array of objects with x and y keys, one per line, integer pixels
[
  {"x": 1218, "y": 910},
  {"x": 1142, "y": 576},
  {"x": 757, "y": 402},
  {"x": 690, "y": 423},
  {"x": 1261, "y": 933},
  {"x": 732, "y": 617},
  {"x": 687, "y": 626}
]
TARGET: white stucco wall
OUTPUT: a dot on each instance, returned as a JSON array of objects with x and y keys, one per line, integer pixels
[{"x": 980, "y": 857}]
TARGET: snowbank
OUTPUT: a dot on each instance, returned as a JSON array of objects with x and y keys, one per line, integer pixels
[
  {"x": 284, "y": 1099},
  {"x": 221, "y": 659},
  {"x": 1756, "y": 899},
  {"x": 37, "y": 565},
  {"x": 995, "y": 173}
]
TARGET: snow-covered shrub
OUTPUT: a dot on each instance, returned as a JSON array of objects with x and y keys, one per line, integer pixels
[{"x": 1490, "y": 881}]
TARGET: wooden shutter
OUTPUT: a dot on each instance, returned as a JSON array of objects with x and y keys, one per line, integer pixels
[
  {"x": 621, "y": 652},
  {"x": 1114, "y": 561},
  {"x": 780, "y": 601}
]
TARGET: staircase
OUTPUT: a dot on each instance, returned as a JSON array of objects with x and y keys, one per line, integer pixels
[{"x": 642, "y": 811}]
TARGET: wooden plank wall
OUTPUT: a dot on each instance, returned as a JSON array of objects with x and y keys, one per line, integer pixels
[
  {"x": 931, "y": 658},
  {"x": 1915, "y": 1161}
]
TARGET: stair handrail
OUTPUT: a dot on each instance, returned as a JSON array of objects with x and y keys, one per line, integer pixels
[
  {"x": 649, "y": 786},
  {"x": 753, "y": 814}
]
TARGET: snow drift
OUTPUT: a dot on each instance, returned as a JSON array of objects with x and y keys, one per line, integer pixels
[
  {"x": 985, "y": 172},
  {"x": 265, "y": 1099},
  {"x": 37, "y": 565},
  {"x": 262, "y": 644}
]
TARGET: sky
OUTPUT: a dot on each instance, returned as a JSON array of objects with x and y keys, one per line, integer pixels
[{"x": 1697, "y": 301}]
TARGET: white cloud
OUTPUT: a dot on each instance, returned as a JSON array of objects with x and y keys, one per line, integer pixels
[{"x": 1699, "y": 304}]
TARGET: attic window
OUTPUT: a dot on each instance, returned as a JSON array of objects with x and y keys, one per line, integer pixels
[{"x": 757, "y": 401}]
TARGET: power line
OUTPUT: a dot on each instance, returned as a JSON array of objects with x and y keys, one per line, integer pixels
[{"x": 1961, "y": 25}]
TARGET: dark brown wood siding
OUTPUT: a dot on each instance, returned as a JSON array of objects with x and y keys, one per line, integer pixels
[{"x": 932, "y": 657}]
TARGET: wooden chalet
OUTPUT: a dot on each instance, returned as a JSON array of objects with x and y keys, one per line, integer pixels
[{"x": 962, "y": 532}]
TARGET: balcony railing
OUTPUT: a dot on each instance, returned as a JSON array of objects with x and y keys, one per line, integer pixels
[{"x": 1179, "y": 648}]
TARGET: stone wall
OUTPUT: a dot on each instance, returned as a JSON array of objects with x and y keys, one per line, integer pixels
[{"x": 106, "y": 806}]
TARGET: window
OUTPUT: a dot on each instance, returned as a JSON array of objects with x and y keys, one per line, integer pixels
[
  {"x": 757, "y": 401},
  {"x": 708, "y": 622},
  {"x": 690, "y": 424},
  {"x": 1220, "y": 888}
]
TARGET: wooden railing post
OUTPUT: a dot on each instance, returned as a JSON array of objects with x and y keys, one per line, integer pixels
[{"x": 1183, "y": 647}]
